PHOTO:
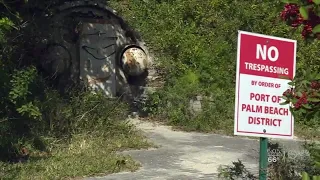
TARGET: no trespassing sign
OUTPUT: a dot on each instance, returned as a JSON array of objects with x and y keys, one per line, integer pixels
[{"x": 262, "y": 62}]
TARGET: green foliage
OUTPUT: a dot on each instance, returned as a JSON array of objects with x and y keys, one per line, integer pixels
[
  {"x": 304, "y": 96},
  {"x": 235, "y": 171},
  {"x": 83, "y": 112},
  {"x": 196, "y": 44},
  {"x": 304, "y": 12},
  {"x": 38, "y": 123},
  {"x": 291, "y": 163},
  {"x": 314, "y": 150},
  {"x": 29, "y": 110},
  {"x": 83, "y": 155},
  {"x": 20, "y": 84},
  {"x": 20, "y": 92},
  {"x": 305, "y": 176},
  {"x": 5, "y": 26},
  {"x": 293, "y": 166},
  {"x": 201, "y": 37}
]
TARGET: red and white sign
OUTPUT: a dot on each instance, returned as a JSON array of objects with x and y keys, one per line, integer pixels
[{"x": 261, "y": 61}]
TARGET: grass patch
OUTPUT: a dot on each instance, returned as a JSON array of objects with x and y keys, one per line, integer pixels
[
  {"x": 307, "y": 132},
  {"x": 75, "y": 137},
  {"x": 84, "y": 155}
]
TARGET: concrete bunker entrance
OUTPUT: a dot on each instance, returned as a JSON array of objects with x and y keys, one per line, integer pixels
[{"x": 86, "y": 42}]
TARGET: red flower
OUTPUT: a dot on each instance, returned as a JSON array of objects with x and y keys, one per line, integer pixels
[
  {"x": 315, "y": 85},
  {"x": 310, "y": 1},
  {"x": 290, "y": 11},
  {"x": 301, "y": 101}
]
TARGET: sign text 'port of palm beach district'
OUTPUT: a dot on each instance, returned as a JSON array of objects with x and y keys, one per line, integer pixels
[{"x": 261, "y": 61}]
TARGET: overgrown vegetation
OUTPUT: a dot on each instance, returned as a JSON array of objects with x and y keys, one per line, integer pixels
[
  {"x": 195, "y": 41},
  {"x": 304, "y": 94},
  {"x": 287, "y": 164},
  {"x": 46, "y": 134}
]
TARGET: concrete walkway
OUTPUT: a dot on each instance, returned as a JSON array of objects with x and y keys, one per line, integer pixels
[{"x": 188, "y": 156}]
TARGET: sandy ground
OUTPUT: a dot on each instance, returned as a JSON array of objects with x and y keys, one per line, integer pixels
[{"x": 188, "y": 155}]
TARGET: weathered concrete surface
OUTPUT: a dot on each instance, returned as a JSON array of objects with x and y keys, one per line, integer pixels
[{"x": 185, "y": 155}]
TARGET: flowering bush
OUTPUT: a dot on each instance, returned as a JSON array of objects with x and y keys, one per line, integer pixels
[
  {"x": 305, "y": 92},
  {"x": 303, "y": 13},
  {"x": 304, "y": 95}
]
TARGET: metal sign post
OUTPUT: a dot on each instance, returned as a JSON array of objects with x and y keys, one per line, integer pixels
[{"x": 263, "y": 159}]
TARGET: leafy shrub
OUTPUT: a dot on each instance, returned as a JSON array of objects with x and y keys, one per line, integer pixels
[
  {"x": 236, "y": 171},
  {"x": 303, "y": 13},
  {"x": 20, "y": 92},
  {"x": 291, "y": 165},
  {"x": 287, "y": 166},
  {"x": 305, "y": 92},
  {"x": 304, "y": 95}
]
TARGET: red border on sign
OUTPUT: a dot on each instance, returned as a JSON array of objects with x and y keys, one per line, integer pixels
[{"x": 238, "y": 80}]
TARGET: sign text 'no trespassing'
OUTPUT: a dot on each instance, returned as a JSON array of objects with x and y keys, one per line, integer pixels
[{"x": 262, "y": 62}]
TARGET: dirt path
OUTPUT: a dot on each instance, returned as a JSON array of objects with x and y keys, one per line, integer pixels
[{"x": 185, "y": 155}]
